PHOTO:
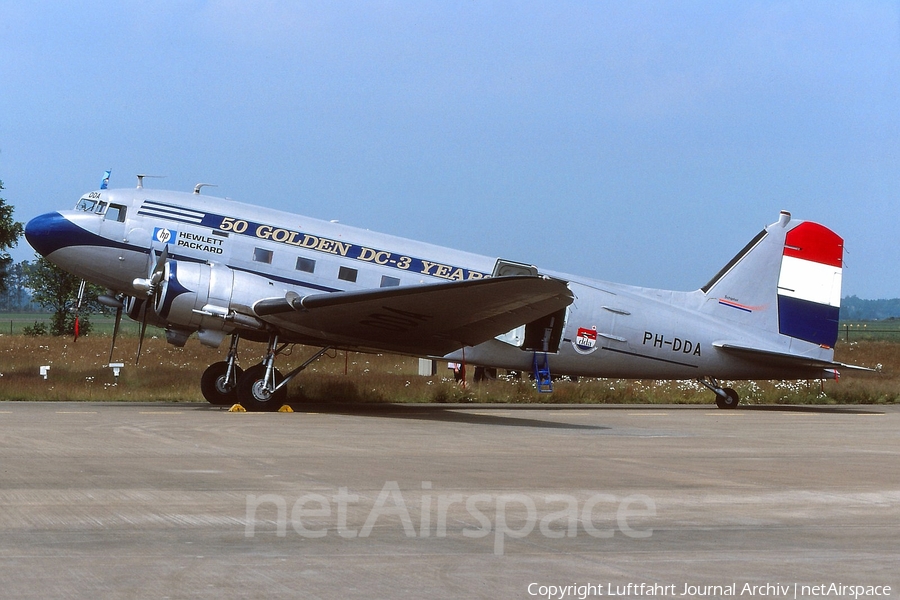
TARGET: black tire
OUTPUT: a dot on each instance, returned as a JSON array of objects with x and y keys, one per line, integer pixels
[
  {"x": 214, "y": 387},
  {"x": 731, "y": 402},
  {"x": 252, "y": 395}
]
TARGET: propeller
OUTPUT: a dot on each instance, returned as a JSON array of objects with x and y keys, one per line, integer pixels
[{"x": 151, "y": 286}]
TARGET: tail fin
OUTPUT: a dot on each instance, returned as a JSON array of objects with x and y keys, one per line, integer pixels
[{"x": 787, "y": 279}]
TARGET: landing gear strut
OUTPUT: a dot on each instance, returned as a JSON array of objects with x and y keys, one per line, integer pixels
[
  {"x": 725, "y": 397},
  {"x": 262, "y": 387},
  {"x": 220, "y": 380}
]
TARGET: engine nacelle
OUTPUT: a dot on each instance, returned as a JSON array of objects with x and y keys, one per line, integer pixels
[{"x": 209, "y": 298}]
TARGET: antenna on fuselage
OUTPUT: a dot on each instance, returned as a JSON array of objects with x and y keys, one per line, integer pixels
[
  {"x": 203, "y": 185},
  {"x": 140, "y": 185}
]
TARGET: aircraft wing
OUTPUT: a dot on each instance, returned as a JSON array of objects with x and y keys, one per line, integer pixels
[
  {"x": 425, "y": 320},
  {"x": 775, "y": 358}
]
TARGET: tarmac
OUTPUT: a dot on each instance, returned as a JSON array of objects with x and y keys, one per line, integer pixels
[{"x": 129, "y": 500}]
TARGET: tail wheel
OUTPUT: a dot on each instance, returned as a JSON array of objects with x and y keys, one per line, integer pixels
[
  {"x": 254, "y": 395},
  {"x": 217, "y": 390},
  {"x": 731, "y": 401}
]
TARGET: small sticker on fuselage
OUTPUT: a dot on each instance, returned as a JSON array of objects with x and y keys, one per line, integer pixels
[
  {"x": 164, "y": 235},
  {"x": 586, "y": 340}
]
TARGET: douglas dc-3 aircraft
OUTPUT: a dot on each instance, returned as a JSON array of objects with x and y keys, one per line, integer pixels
[{"x": 193, "y": 263}]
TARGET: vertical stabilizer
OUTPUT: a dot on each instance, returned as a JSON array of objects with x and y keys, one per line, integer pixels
[{"x": 786, "y": 280}]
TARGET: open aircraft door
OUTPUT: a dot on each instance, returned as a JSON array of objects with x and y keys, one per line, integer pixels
[{"x": 541, "y": 335}]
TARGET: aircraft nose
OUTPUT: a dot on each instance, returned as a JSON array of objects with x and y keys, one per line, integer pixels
[{"x": 47, "y": 233}]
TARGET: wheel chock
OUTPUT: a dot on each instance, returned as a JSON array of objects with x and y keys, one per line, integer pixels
[
  {"x": 237, "y": 408},
  {"x": 285, "y": 408}
]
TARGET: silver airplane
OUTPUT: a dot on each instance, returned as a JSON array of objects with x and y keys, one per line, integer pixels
[{"x": 193, "y": 263}]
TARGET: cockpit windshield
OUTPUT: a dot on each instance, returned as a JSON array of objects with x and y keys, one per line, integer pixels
[
  {"x": 86, "y": 204},
  {"x": 111, "y": 212}
]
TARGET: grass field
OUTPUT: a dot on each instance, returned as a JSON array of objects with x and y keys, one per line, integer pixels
[
  {"x": 78, "y": 372},
  {"x": 855, "y": 331},
  {"x": 14, "y": 323}
]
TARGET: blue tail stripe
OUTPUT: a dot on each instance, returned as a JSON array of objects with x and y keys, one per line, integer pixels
[{"x": 809, "y": 321}]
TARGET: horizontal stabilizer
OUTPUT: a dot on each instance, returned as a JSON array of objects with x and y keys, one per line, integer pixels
[
  {"x": 431, "y": 319},
  {"x": 784, "y": 359}
]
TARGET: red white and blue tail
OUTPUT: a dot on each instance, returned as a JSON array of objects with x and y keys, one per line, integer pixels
[{"x": 809, "y": 286}]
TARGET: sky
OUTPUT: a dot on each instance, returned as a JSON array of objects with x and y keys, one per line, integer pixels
[{"x": 638, "y": 142}]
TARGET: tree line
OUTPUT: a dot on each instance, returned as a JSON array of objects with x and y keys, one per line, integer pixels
[
  {"x": 858, "y": 309},
  {"x": 39, "y": 284}
]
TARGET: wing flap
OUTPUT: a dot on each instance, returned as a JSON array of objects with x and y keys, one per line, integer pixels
[{"x": 431, "y": 319}]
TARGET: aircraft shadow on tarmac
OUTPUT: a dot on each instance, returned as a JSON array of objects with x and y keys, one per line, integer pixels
[
  {"x": 443, "y": 412},
  {"x": 447, "y": 414},
  {"x": 815, "y": 408},
  {"x": 456, "y": 413}
]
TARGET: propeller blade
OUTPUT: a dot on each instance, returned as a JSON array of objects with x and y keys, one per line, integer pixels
[
  {"x": 160, "y": 265},
  {"x": 137, "y": 359},
  {"x": 153, "y": 279},
  {"x": 115, "y": 333},
  {"x": 78, "y": 307}
]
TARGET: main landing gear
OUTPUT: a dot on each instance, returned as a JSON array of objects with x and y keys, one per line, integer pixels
[
  {"x": 261, "y": 388},
  {"x": 220, "y": 380},
  {"x": 725, "y": 397}
]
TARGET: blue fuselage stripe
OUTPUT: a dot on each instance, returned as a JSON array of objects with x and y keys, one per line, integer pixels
[{"x": 66, "y": 234}]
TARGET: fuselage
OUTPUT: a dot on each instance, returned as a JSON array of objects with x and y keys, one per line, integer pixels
[{"x": 113, "y": 237}]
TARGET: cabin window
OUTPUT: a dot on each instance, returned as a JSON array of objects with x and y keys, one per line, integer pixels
[
  {"x": 262, "y": 255},
  {"x": 347, "y": 274},
  {"x": 307, "y": 265},
  {"x": 116, "y": 212},
  {"x": 388, "y": 281}
]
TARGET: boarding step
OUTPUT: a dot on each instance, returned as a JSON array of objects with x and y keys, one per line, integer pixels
[{"x": 542, "y": 378}]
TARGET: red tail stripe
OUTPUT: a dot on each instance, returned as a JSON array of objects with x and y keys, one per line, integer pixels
[{"x": 814, "y": 242}]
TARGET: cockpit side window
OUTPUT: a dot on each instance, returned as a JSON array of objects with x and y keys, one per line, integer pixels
[
  {"x": 101, "y": 208},
  {"x": 116, "y": 212},
  {"x": 86, "y": 204}
]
